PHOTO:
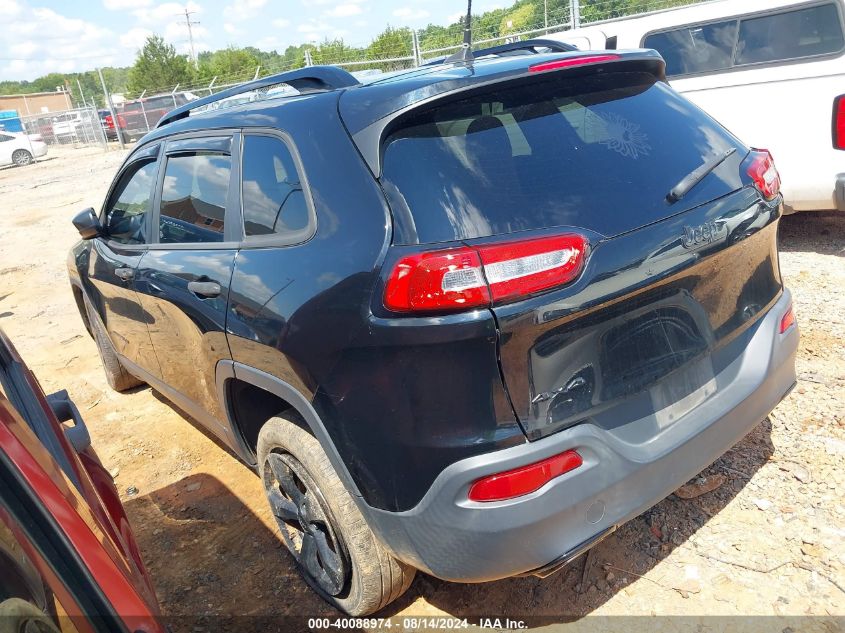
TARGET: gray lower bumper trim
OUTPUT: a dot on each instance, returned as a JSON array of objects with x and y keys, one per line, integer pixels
[
  {"x": 840, "y": 192},
  {"x": 558, "y": 563}
]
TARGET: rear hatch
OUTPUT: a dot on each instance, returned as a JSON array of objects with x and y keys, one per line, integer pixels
[{"x": 665, "y": 292}]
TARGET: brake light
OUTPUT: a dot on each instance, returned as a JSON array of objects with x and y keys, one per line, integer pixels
[
  {"x": 787, "y": 320},
  {"x": 440, "y": 280},
  {"x": 572, "y": 61},
  {"x": 109, "y": 121},
  {"x": 524, "y": 480},
  {"x": 764, "y": 173},
  {"x": 465, "y": 277},
  {"x": 839, "y": 123}
]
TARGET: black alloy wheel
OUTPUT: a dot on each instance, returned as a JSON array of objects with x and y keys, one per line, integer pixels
[{"x": 306, "y": 523}]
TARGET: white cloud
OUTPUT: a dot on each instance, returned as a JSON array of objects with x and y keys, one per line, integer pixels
[
  {"x": 344, "y": 11},
  {"x": 407, "y": 13},
  {"x": 73, "y": 44},
  {"x": 281, "y": 23},
  {"x": 10, "y": 8},
  {"x": 451, "y": 19},
  {"x": 135, "y": 38},
  {"x": 120, "y": 5},
  {"x": 243, "y": 10},
  {"x": 164, "y": 13}
]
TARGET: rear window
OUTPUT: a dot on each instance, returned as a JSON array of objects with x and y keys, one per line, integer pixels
[{"x": 598, "y": 152}]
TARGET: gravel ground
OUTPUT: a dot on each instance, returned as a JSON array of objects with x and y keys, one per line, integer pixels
[{"x": 766, "y": 540}]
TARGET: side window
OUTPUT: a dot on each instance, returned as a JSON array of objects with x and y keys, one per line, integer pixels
[
  {"x": 791, "y": 35},
  {"x": 193, "y": 198},
  {"x": 696, "y": 49},
  {"x": 130, "y": 203},
  {"x": 273, "y": 199}
]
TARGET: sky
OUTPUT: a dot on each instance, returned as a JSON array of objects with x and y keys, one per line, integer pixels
[{"x": 42, "y": 36}]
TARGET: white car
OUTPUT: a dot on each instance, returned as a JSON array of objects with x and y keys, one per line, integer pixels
[
  {"x": 771, "y": 71},
  {"x": 20, "y": 149}
]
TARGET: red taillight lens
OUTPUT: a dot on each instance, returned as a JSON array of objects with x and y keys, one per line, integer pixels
[
  {"x": 787, "y": 320},
  {"x": 764, "y": 173},
  {"x": 109, "y": 119},
  {"x": 839, "y": 123},
  {"x": 437, "y": 281},
  {"x": 518, "y": 269},
  {"x": 572, "y": 61},
  {"x": 523, "y": 480},
  {"x": 461, "y": 278}
]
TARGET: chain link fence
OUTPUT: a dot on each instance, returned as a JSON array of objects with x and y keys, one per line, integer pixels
[{"x": 77, "y": 127}]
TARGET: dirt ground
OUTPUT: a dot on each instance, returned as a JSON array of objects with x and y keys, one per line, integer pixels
[{"x": 767, "y": 541}]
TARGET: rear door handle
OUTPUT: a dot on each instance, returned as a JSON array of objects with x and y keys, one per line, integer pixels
[
  {"x": 206, "y": 289},
  {"x": 125, "y": 273}
]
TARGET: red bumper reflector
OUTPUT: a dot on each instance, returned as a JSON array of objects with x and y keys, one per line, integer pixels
[
  {"x": 787, "y": 320},
  {"x": 572, "y": 61},
  {"x": 525, "y": 479}
]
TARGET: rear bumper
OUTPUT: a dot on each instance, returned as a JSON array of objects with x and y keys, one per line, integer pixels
[
  {"x": 839, "y": 194},
  {"x": 450, "y": 537}
]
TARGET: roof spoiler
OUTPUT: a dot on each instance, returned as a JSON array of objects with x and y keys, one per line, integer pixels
[
  {"x": 530, "y": 46},
  {"x": 308, "y": 79}
]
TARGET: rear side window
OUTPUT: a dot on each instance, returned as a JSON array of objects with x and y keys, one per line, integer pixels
[
  {"x": 599, "y": 152},
  {"x": 805, "y": 33},
  {"x": 273, "y": 199},
  {"x": 696, "y": 49},
  {"x": 130, "y": 202},
  {"x": 774, "y": 37},
  {"x": 193, "y": 198}
]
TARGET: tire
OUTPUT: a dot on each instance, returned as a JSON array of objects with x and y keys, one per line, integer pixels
[
  {"x": 116, "y": 375},
  {"x": 21, "y": 157},
  {"x": 370, "y": 577},
  {"x": 18, "y": 615}
]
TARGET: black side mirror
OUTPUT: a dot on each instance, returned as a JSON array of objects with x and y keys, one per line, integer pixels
[{"x": 88, "y": 224}]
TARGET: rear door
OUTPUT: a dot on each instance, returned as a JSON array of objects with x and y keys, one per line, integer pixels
[
  {"x": 184, "y": 279},
  {"x": 666, "y": 285},
  {"x": 113, "y": 259}
]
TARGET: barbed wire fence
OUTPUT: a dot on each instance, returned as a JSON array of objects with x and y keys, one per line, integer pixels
[{"x": 408, "y": 48}]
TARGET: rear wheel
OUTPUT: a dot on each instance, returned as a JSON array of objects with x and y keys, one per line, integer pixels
[
  {"x": 323, "y": 529},
  {"x": 21, "y": 157},
  {"x": 116, "y": 375}
]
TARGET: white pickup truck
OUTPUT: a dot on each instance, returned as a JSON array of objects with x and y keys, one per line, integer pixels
[{"x": 771, "y": 71}]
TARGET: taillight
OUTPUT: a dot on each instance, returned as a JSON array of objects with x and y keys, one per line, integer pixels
[
  {"x": 572, "y": 61},
  {"x": 524, "y": 480},
  {"x": 440, "y": 280},
  {"x": 763, "y": 172},
  {"x": 787, "y": 320},
  {"x": 839, "y": 122},
  {"x": 109, "y": 121},
  {"x": 518, "y": 269},
  {"x": 472, "y": 277}
]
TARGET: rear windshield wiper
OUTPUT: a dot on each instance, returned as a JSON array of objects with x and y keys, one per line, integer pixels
[{"x": 696, "y": 176}]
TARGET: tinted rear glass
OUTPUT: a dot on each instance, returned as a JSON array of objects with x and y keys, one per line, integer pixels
[{"x": 599, "y": 152}]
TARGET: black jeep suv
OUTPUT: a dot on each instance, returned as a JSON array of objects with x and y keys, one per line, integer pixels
[{"x": 466, "y": 318}]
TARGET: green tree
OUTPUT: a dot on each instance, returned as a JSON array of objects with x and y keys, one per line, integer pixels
[
  {"x": 158, "y": 67},
  {"x": 229, "y": 64}
]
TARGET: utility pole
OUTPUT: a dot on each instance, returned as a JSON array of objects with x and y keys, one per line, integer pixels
[
  {"x": 575, "y": 12},
  {"x": 546, "y": 15},
  {"x": 81, "y": 94},
  {"x": 190, "y": 23},
  {"x": 110, "y": 106}
]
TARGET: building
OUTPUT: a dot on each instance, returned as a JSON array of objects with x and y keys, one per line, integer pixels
[{"x": 37, "y": 102}]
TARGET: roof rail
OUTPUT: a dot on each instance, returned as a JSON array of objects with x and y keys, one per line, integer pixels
[
  {"x": 308, "y": 79},
  {"x": 529, "y": 46}
]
